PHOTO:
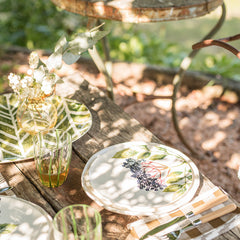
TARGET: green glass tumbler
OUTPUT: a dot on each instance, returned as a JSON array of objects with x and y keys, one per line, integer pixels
[
  {"x": 52, "y": 154},
  {"x": 77, "y": 222}
]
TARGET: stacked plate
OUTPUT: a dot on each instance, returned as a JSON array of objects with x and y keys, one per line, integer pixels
[{"x": 139, "y": 178}]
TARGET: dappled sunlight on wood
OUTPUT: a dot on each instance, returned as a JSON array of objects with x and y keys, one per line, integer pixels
[{"x": 114, "y": 133}]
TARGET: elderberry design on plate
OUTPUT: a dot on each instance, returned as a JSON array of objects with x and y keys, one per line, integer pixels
[
  {"x": 150, "y": 175},
  {"x": 140, "y": 178}
]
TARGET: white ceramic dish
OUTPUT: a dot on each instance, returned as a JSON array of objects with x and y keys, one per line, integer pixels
[
  {"x": 25, "y": 220},
  {"x": 157, "y": 179}
]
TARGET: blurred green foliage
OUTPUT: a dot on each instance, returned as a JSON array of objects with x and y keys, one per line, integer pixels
[
  {"x": 39, "y": 24},
  {"x": 34, "y": 23}
]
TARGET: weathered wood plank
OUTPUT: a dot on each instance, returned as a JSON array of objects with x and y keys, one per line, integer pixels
[
  {"x": 110, "y": 124},
  {"x": 139, "y": 11},
  {"x": 69, "y": 193},
  {"x": 22, "y": 186}
]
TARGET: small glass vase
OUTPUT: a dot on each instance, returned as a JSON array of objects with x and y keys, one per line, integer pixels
[{"x": 36, "y": 114}]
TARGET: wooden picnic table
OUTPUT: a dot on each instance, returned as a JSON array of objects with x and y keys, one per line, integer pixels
[{"x": 111, "y": 125}]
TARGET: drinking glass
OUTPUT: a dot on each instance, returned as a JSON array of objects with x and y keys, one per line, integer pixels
[
  {"x": 77, "y": 222},
  {"x": 52, "y": 154}
]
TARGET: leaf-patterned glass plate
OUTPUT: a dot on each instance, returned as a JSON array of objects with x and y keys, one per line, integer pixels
[
  {"x": 139, "y": 178},
  {"x": 15, "y": 144}
]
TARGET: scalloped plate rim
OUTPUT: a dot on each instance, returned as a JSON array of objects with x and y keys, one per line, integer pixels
[{"x": 151, "y": 211}]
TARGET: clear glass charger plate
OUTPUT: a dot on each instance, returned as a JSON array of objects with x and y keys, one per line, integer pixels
[
  {"x": 23, "y": 220},
  {"x": 140, "y": 178},
  {"x": 15, "y": 144}
]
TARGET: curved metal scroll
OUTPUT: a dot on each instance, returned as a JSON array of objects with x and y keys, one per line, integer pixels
[
  {"x": 222, "y": 42},
  {"x": 179, "y": 76}
]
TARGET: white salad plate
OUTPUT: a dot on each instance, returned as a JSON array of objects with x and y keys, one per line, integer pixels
[
  {"x": 23, "y": 220},
  {"x": 140, "y": 178}
]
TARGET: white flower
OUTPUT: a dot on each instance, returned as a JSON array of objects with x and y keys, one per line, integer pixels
[
  {"x": 29, "y": 80},
  {"x": 24, "y": 93},
  {"x": 47, "y": 84},
  {"x": 55, "y": 78},
  {"x": 14, "y": 79},
  {"x": 51, "y": 78},
  {"x": 33, "y": 60},
  {"x": 47, "y": 88},
  {"x": 24, "y": 83},
  {"x": 29, "y": 72},
  {"x": 38, "y": 81},
  {"x": 39, "y": 74}
]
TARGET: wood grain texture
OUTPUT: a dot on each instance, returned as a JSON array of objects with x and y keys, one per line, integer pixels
[
  {"x": 22, "y": 186},
  {"x": 110, "y": 126},
  {"x": 140, "y": 11}
]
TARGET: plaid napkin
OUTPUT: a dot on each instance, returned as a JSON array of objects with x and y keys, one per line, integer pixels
[
  {"x": 203, "y": 231},
  {"x": 214, "y": 228}
]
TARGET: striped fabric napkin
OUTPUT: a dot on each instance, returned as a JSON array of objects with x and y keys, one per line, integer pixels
[{"x": 203, "y": 231}]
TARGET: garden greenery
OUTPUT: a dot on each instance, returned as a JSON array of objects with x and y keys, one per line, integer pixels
[
  {"x": 39, "y": 23},
  {"x": 40, "y": 80}
]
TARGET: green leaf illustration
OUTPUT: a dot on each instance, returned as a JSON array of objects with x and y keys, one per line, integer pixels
[
  {"x": 162, "y": 149},
  {"x": 157, "y": 156},
  {"x": 125, "y": 153},
  {"x": 173, "y": 188},
  {"x": 189, "y": 177},
  {"x": 175, "y": 174},
  {"x": 144, "y": 155},
  {"x": 174, "y": 177},
  {"x": 180, "y": 192},
  {"x": 15, "y": 144},
  {"x": 142, "y": 148},
  {"x": 174, "y": 180},
  {"x": 7, "y": 228},
  {"x": 141, "y": 151}
]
